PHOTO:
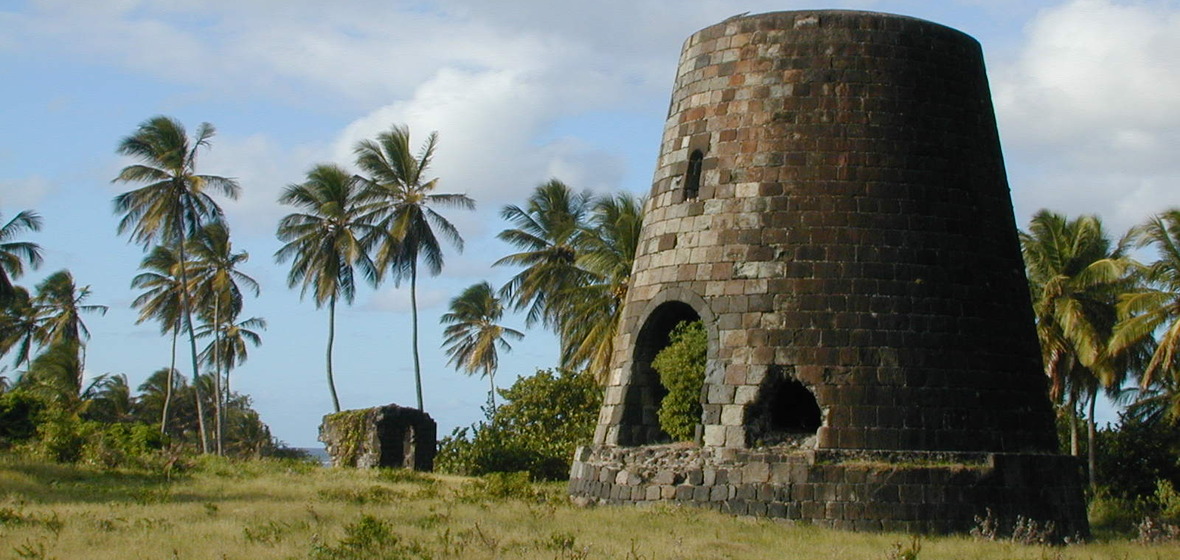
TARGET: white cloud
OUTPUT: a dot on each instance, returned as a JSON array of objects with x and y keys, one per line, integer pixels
[
  {"x": 25, "y": 192},
  {"x": 397, "y": 299},
  {"x": 1089, "y": 108}
]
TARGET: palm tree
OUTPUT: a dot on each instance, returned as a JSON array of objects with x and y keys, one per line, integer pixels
[
  {"x": 13, "y": 254},
  {"x": 323, "y": 239},
  {"x": 217, "y": 293},
  {"x": 473, "y": 334},
  {"x": 226, "y": 351},
  {"x": 606, "y": 254},
  {"x": 60, "y": 304},
  {"x": 549, "y": 232},
  {"x": 19, "y": 324},
  {"x": 398, "y": 199},
  {"x": 1075, "y": 277},
  {"x": 109, "y": 399},
  {"x": 1155, "y": 308},
  {"x": 174, "y": 202},
  {"x": 162, "y": 301}
]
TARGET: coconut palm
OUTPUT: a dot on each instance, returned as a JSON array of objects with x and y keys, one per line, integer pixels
[
  {"x": 14, "y": 254},
  {"x": 606, "y": 253},
  {"x": 161, "y": 301},
  {"x": 217, "y": 294},
  {"x": 60, "y": 304},
  {"x": 175, "y": 201},
  {"x": 19, "y": 324},
  {"x": 109, "y": 399},
  {"x": 473, "y": 334},
  {"x": 323, "y": 240},
  {"x": 1155, "y": 308},
  {"x": 399, "y": 201},
  {"x": 549, "y": 232},
  {"x": 1075, "y": 274}
]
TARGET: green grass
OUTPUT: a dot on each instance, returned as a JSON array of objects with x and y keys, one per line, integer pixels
[{"x": 261, "y": 509}]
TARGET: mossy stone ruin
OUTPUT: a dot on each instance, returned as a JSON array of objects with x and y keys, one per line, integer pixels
[{"x": 830, "y": 201}]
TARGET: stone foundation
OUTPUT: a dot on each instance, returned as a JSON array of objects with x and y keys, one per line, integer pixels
[
  {"x": 384, "y": 436},
  {"x": 913, "y": 492}
]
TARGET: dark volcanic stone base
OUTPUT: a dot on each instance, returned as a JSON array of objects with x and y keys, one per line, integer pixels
[{"x": 914, "y": 492}]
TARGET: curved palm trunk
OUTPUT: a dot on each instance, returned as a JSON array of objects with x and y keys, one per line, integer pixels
[
  {"x": 492, "y": 382},
  {"x": 218, "y": 410},
  {"x": 331, "y": 339},
  {"x": 192, "y": 341},
  {"x": 1092, "y": 455},
  {"x": 168, "y": 389},
  {"x": 414, "y": 317}
]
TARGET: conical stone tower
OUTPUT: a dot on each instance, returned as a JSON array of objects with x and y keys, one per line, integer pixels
[{"x": 830, "y": 201}]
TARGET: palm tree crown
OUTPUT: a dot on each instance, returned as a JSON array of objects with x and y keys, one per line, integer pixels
[
  {"x": 473, "y": 334},
  {"x": 549, "y": 232},
  {"x": 14, "y": 254},
  {"x": 1155, "y": 308}
]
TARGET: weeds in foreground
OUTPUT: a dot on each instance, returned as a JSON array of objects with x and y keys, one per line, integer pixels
[
  {"x": 902, "y": 552},
  {"x": 271, "y": 512}
]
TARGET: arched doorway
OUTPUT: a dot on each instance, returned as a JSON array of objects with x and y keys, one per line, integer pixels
[{"x": 641, "y": 399}]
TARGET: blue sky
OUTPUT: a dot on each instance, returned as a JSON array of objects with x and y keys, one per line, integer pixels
[{"x": 519, "y": 91}]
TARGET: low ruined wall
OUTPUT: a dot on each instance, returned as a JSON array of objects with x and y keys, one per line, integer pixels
[
  {"x": 916, "y": 492},
  {"x": 384, "y": 436}
]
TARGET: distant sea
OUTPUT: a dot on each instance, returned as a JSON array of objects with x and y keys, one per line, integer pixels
[{"x": 317, "y": 452}]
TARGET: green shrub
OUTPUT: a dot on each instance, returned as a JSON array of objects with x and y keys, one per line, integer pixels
[
  {"x": 1134, "y": 454},
  {"x": 543, "y": 419},
  {"x": 18, "y": 417},
  {"x": 681, "y": 366}
]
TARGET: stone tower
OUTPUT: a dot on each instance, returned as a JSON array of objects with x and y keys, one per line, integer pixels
[{"x": 830, "y": 201}]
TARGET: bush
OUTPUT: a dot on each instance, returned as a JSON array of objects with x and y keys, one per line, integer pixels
[
  {"x": 681, "y": 366},
  {"x": 544, "y": 418},
  {"x": 1134, "y": 455},
  {"x": 18, "y": 417}
]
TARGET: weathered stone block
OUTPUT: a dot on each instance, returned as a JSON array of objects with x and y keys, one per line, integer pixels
[{"x": 385, "y": 436}]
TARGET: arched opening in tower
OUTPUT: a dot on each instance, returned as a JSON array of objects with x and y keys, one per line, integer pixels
[
  {"x": 785, "y": 411},
  {"x": 640, "y": 424}
]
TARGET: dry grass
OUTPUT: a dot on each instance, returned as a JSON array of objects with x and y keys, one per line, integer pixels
[{"x": 285, "y": 510}]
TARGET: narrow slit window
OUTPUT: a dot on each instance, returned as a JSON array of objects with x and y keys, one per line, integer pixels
[{"x": 692, "y": 179}]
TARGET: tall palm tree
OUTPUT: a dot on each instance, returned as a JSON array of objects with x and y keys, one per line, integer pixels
[
  {"x": 162, "y": 301},
  {"x": 606, "y": 254},
  {"x": 14, "y": 254},
  {"x": 323, "y": 240},
  {"x": 1155, "y": 308},
  {"x": 217, "y": 293},
  {"x": 399, "y": 200},
  {"x": 175, "y": 201},
  {"x": 60, "y": 304},
  {"x": 19, "y": 324},
  {"x": 1075, "y": 275},
  {"x": 549, "y": 232},
  {"x": 473, "y": 333}
]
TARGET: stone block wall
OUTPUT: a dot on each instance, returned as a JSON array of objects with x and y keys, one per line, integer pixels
[{"x": 912, "y": 492}]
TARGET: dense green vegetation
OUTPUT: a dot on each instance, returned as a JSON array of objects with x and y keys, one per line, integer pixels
[
  {"x": 545, "y": 417},
  {"x": 681, "y": 366}
]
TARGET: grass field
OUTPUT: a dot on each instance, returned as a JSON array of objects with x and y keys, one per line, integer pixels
[{"x": 265, "y": 509}]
